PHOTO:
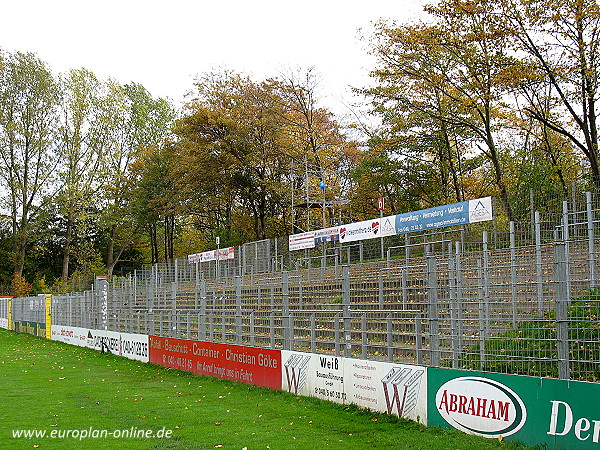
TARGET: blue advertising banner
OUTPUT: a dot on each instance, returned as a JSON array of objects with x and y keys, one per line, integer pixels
[{"x": 470, "y": 211}]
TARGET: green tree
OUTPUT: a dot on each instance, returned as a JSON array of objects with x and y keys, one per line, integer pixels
[
  {"x": 233, "y": 152},
  {"x": 452, "y": 72},
  {"x": 79, "y": 173},
  {"x": 29, "y": 102},
  {"x": 560, "y": 41}
]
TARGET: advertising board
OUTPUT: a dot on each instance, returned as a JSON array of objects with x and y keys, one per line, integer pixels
[
  {"x": 251, "y": 365},
  {"x": 534, "y": 411},
  {"x": 301, "y": 241},
  {"x": 384, "y": 387},
  {"x": 461, "y": 213},
  {"x": 132, "y": 346},
  {"x": 368, "y": 229}
]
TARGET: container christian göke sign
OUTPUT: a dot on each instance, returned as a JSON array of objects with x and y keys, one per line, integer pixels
[{"x": 257, "y": 366}]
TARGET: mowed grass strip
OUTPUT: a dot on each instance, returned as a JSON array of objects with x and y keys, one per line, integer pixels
[{"x": 46, "y": 385}]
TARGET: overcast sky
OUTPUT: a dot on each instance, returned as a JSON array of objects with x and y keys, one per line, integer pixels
[{"x": 163, "y": 45}]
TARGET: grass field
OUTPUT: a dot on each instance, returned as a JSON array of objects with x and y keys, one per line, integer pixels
[{"x": 50, "y": 387}]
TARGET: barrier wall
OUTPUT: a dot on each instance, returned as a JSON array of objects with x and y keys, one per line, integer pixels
[
  {"x": 251, "y": 365},
  {"x": 534, "y": 411},
  {"x": 132, "y": 346}
]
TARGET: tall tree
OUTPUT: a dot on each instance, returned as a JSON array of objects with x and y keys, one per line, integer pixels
[
  {"x": 80, "y": 131},
  {"x": 452, "y": 71},
  {"x": 29, "y": 100},
  {"x": 561, "y": 39},
  {"x": 233, "y": 149},
  {"x": 137, "y": 121}
]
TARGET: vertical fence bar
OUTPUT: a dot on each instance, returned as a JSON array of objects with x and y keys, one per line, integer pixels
[
  {"x": 590, "y": 232},
  {"x": 538, "y": 265},
  {"x": 313, "y": 334},
  {"x": 389, "y": 338},
  {"x": 486, "y": 284},
  {"x": 432, "y": 301},
  {"x": 562, "y": 302},
  {"x": 252, "y": 330},
  {"x": 459, "y": 294},
  {"x": 363, "y": 334},
  {"x": 513, "y": 275},
  {"x": 453, "y": 306},
  {"x": 481, "y": 314},
  {"x": 336, "y": 333},
  {"x": 419, "y": 338},
  {"x": 346, "y": 311}
]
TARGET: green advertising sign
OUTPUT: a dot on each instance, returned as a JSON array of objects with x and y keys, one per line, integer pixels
[{"x": 533, "y": 411}]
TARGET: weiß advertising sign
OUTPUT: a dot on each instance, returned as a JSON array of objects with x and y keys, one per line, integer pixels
[
  {"x": 398, "y": 389},
  {"x": 385, "y": 387}
]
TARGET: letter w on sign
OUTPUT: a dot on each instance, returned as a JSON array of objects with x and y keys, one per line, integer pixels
[
  {"x": 296, "y": 372},
  {"x": 401, "y": 388}
]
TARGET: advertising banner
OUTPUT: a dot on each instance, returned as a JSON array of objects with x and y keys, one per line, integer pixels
[
  {"x": 70, "y": 335},
  {"x": 385, "y": 387},
  {"x": 398, "y": 389},
  {"x": 327, "y": 235},
  {"x": 368, "y": 229},
  {"x": 4, "y": 323},
  {"x": 471, "y": 211},
  {"x": 251, "y": 365},
  {"x": 211, "y": 255},
  {"x": 132, "y": 346},
  {"x": 301, "y": 241},
  {"x": 533, "y": 411},
  {"x": 313, "y": 375}
]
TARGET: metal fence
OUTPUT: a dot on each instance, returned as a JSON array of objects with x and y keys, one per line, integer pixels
[{"x": 517, "y": 299}]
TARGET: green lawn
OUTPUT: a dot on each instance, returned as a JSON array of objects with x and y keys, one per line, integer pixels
[{"x": 54, "y": 387}]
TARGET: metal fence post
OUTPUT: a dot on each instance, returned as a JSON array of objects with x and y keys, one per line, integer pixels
[
  {"x": 459, "y": 294},
  {"x": 380, "y": 285},
  {"x": 513, "y": 275},
  {"x": 390, "y": 338},
  {"x": 285, "y": 310},
  {"x": 538, "y": 264},
  {"x": 453, "y": 308},
  {"x": 202, "y": 315},
  {"x": 590, "y": 232},
  {"x": 562, "y": 303},
  {"x": 313, "y": 334},
  {"x": 346, "y": 311},
  {"x": 481, "y": 314},
  {"x": 432, "y": 301},
  {"x": 173, "y": 307},
  {"x": 252, "y": 338},
  {"x": 486, "y": 284},
  {"x": 363, "y": 332},
  {"x": 238, "y": 309},
  {"x": 336, "y": 333}
]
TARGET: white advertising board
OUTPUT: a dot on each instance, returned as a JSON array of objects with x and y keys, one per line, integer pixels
[
  {"x": 368, "y": 229},
  {"x": 391, "y": 388},
  {"x": 301, "y": 241},
  {"x": 132, "y": 346}
]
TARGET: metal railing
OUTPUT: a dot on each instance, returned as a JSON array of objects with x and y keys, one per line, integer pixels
[{"x": 457, "y": 299}]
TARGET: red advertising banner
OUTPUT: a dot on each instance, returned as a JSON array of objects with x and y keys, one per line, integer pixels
[{"x": 257, "y": 366}]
